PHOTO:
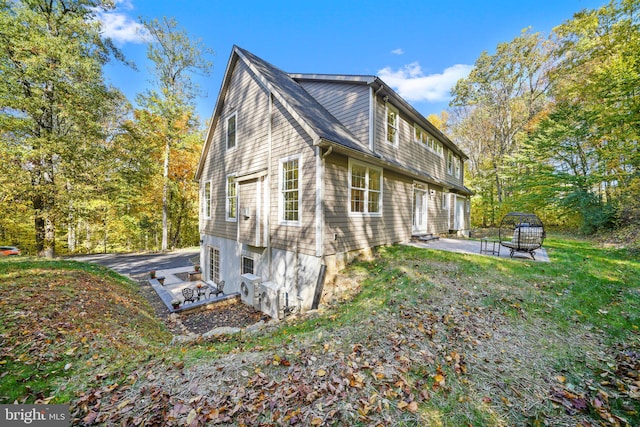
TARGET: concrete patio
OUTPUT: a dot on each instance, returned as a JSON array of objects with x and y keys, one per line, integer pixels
[
  {"x": 469, "y": 246},
  {"x": 173, "y": 286}
]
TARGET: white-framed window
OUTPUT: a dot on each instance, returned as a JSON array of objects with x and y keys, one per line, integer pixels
[
  {"x": 453, "y": 165},
  {"x": 420, "y": 135},
  {"x": 206, "y": 200},
  {"x": 365, "y": 189},
  {"x": 247, "y": 265},
  {"x": 232, "y": 198},
  {"x": 445, "y": 201},
  {"x": 214, "y": 265},
  {"x": 393, "y": 123},
  {"x": 436, "y": 146},
  {"x": 290, "y": 179},
  {"x": 231, "y": 131}
]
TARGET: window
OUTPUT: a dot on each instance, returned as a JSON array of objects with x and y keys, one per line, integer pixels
[
  {"x": 445, "y": 199},
  {"x": 206, "y": 200},
  {"x": 365, "y": 189},
  {"x": 231, "y": 131},
  {"x": 232, "y": 198},
  {"x": 453, "y": 165},
  {"x": 420, "y": 135},
  {"x": 290, "y": 190},
  {"x": 436, "y": 147},
  {"x": 392, "y": 124},
  {"x": 214, "y": 265},
  {"x": 247, "y": 265}
]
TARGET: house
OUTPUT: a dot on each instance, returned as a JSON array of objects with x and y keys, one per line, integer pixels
[{"x": 299, "y": 172}]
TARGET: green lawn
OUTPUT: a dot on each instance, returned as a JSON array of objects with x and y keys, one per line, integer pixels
[{"x": 418, "y": 337}]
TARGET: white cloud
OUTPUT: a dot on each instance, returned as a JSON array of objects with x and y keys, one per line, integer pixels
[
  {"x": 398, "y": 51},
  {"x": 120, "y": 27},
  {"x": 413, "y": 85}
]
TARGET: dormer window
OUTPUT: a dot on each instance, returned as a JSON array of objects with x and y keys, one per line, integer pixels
[{"x": 392, "y": 124}]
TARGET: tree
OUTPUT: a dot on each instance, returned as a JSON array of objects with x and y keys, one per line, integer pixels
[
  {"x": 495, "y": 105},
  {"x": 55, "y": 103},
  {"x": 176, "y": 59}
]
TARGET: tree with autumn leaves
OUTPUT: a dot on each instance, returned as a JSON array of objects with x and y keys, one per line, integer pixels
[
  {"x": 551, "y": 125},
  {"x": 80, "y": 167}
]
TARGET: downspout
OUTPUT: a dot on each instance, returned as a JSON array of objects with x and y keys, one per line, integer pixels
[{"x": 267, "y": 191}]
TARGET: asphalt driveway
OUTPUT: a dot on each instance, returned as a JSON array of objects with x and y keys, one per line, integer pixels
[{"x": 135, "y": 264}]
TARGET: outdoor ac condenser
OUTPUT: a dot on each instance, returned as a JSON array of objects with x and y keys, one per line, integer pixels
[
  {"x": 271, "y": 295},
  {"x": 249, "y": 290}
]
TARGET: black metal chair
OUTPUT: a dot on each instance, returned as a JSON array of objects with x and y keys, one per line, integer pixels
[
  {"x": 522, "y": 232},
  {"x": 219, "y": 289},
  {"x": 189, "y": 296}
]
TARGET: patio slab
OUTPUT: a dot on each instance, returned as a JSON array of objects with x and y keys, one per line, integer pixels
[
  {"x": 173, "y": 286},
  {"x": 469, "y": 246}
]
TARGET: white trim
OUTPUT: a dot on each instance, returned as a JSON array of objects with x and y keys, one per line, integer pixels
[
  {"x": 281, "y": 163},
  {"x": 424, "y": 189},
  {"x": 226, "y": 131},
  {"x": 366, "y": 190},
  {"x": 372, "y": 121},
  {"x": 226, "y": 197},
  {"x": 320, "y": 165}
]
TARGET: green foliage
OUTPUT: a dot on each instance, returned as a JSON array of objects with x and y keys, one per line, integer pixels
[{"x": 567, "y": 148}]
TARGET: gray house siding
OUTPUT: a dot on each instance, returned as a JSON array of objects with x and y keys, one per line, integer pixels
[
  {"x": 407, "y": 151},
  {"x": 349, "y": 103},
  {"x": 249, "y": 101},
  {"x": 345, "y": 232},
  {"x": 289, "y": 139}
]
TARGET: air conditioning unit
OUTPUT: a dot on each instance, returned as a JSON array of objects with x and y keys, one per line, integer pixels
[
  {"x": 249, "y": 290},
  {"x": 271, "y": 299}
]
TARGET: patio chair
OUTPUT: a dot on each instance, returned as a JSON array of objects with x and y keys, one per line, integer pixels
[
  {"x": 219, "y": 289},
  {"x": 522, "y": 232},
  {"x": 189, "y": 295}
]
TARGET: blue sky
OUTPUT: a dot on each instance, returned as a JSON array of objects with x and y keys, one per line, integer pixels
[{"x": 420, "y": 48}]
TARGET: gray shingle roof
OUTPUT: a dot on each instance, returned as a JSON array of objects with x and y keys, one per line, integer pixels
[{"x": 311, "y": 111}]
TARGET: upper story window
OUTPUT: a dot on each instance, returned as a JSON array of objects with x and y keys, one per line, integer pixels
[
  {"x": 232, "y": 198},
  {"x": 365, "y": 189},
  {"x": 421, "y": 136},
  {"x": 393, "y": 123},
  {"x": 290, "y": 190},
  {"x": 453, "y": 165},
  {"x": 206, "y": 200},
  {"x": 230, "y": 129}
]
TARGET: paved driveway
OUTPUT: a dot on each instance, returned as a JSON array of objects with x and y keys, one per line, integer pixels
[{"x": 134, "y": 264}]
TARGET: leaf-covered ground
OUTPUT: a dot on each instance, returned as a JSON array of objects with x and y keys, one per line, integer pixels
[{"x": 413, "y": 337}]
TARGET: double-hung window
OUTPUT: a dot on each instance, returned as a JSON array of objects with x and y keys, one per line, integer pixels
[
  {"x": 206, "y": 200},
  {"x": 420, "y": 135},
  {"x": 290, "y": 190},
  {"x": 365, "y": 189},
  {"x": 393, "y": 123},
  {"x": 231, "y": 134},
  {"x": 232, "y": 198}
]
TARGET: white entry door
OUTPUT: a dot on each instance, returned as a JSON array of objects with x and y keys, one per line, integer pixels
[
  {"x": 458, "y": 222},
  {"x": 419, "y": 210}
]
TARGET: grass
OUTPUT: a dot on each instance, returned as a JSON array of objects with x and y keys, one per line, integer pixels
[
  {"x": 420, "y": 337},
  {"x": 64, "y": 322}
]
